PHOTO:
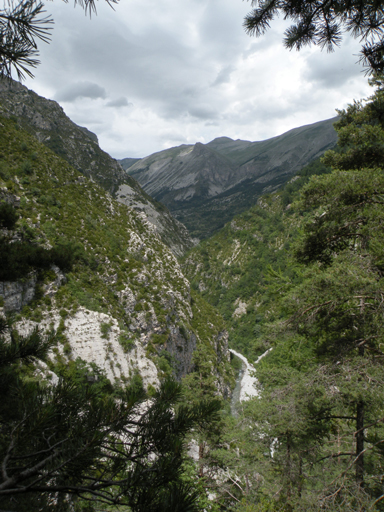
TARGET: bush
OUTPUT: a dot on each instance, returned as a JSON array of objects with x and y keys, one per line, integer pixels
[
  {"x": 127, "y": 343},
  {"x": 105, "y": 330},
  {"x": 19, "y": 258},
  {"x": 8, "y": 216},
  {"x": 4, "y": 171},
  {"x": 25, "y": 168}
]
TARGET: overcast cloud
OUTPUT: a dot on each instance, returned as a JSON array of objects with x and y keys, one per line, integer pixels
[{"x": 152, "y": 75}]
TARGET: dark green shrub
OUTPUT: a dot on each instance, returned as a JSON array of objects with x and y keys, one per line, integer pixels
[
  {"x": 126, "y": 342},
  {"x": 4, "y": 171},
  {"x": 105, "y": 330},
  {"x": 8, "y": 216},
  {"x": 26, "y": 168}
]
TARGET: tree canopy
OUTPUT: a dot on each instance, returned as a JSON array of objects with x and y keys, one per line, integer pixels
[
  {"x": 323, "y": 22},
  {"x": 22, "y": 25},
  {"x": 75, "y": 438},
  {"x": 313, "y": 439}
]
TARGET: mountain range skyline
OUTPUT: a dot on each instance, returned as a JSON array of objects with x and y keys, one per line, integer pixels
[{"x": 145, "y": 77}]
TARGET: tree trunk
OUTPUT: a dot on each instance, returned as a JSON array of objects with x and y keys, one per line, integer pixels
[
  {"x": 289, "y": 469},
  {"x": 360, "y": 444},
  {"x": 360, "y": 436},
  {"x": 201, "y": 457},
  {"x": 300, "y": 482}
]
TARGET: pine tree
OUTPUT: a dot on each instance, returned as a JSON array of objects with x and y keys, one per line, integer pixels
[
  {"x": 322, "y": 402},
  {"x": 70, "y": 439},
  {"x": 323, "y": 23},
  {"x": 74, "y": 439},
  {"x": 22, "y": 25}
]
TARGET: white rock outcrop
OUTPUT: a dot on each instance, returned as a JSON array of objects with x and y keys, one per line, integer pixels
[{"x": 87, "y": 341}]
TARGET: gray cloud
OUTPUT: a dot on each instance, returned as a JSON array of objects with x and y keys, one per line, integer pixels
[
  {"x": 71, "y": 92},
  {"x": 224, "y": 75},
  {"x": 190, "y": 73},
  {"x": 333, "y": 72},
  {"x": 203, "y": 112},
  {"x": 119, "y": 102}
]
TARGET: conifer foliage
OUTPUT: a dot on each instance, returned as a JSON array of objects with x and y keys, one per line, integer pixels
[
  {"x": 313, "y": 439},
  {"x": 322, "y": 412},
  {"x": 70, "y": 439},
  {"x": 22, "y": 25},
  {"x": 323, "y": 23},
  {"x": 75, "y": 438}
]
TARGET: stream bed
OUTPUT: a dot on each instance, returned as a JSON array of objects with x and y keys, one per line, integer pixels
[{"x": 246, "y": 382}]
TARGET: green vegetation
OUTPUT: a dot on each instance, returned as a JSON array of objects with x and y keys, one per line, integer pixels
[
  {"x": 301, "y": 272},
  {"x": 75, "y": 225},
  {"x": 86, "y": 437},
  {"x": 75, "y": 439},
  {"x": 80, "y": 149},
  {"x": 234, "y": 270},
  {"x": 307, "y": 280}
]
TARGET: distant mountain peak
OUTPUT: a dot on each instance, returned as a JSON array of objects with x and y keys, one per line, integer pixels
[{"x": 222, "y": 139}]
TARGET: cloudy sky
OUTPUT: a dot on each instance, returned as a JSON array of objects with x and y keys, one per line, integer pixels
[{"x": 150, "y": 75}]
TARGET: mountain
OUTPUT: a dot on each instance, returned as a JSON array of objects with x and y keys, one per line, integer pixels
[
  {"x": 46, "y": 120},
  {"x": 114, "y": 293},
  {"x": 126, "y": 163},
  {"x": 205, "y": 185}
]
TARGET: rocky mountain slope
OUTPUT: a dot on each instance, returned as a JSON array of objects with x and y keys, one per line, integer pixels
[
  {"x": 124, "y": 308},
  {"x": 46, "y": 120},
  {"x": 204, "y": 186}
]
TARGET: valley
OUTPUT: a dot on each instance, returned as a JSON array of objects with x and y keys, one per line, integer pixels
[{"x": 260, "y": 346}]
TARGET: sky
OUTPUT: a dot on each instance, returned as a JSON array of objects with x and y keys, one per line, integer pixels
[{"x": 151, "y": 75}]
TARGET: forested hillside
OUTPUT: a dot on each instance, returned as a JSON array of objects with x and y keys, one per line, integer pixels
[
  {"x": 100, "y": 316},
  {"x": 235, "y": 268},
  {"x": 301, "y": 273},
  {"x": 46, "y": 120},
  {"x": 97, "y": 319},
  {"x": 123, "y": 376}
]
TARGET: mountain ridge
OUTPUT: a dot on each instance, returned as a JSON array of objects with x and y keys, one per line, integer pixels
[
  {"x": 46, "y": 120},
  {"x": 206, "y": 185}
]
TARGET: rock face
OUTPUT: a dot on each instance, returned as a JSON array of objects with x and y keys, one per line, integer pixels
[
  {"x": 171, "y": 231},
  {"x": 16, "y": 295},
  {"x": 181, "y": 348},
  {"x": 194, "y": 171},
  {"x": 84, "y": 334},
  {"x": 204, "y": 186},
  {"x": 46, "y": 120}
]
